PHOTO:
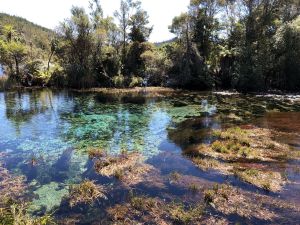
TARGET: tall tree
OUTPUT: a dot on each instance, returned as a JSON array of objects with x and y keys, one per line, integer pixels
[
  {"x": 123, "y": 16},
  {"x": 139, "y": 30}
]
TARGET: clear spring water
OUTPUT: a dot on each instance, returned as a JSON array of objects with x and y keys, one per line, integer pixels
[{"x": 56, "y": 128}]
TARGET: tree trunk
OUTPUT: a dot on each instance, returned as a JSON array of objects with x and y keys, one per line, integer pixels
[
  {"x": 17, "y": 68},
  {"x": 48, "y": 67}
]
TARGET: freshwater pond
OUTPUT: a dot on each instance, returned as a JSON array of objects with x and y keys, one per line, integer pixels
[{"x": 56, "y": 128}]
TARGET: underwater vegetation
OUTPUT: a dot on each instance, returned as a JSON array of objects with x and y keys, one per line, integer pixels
[
  {"x": 127, "y": 167},
  {"x": 86, "y": 192},
  {"x": 142, "y": 209},
  {"x": 236, "y": 149},
  {"x": 13, "y": 203},
  {"x": 76, "y": 158},
  {"x": 257, "y": 208}
]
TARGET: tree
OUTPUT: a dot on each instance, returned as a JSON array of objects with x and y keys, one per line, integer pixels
[
  {"x": 123, "y": 16},
  {"x": 287, "y": 56},
  {"x": 76, "y": 34},
  {"x": 139, "y": 32},
  {"x": 54, "y": 46},
  {"x": 14, "y": 51}
]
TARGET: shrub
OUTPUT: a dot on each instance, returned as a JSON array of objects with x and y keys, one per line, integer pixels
[
  {"x": 135, "y": 81},
  {"x": 118, "y": 81}
]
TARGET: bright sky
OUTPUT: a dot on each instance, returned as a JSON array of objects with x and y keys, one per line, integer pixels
[{"x": 49, "y": 13}]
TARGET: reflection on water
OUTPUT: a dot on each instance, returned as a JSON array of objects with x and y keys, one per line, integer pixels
[{"x": 54, "y": 129}]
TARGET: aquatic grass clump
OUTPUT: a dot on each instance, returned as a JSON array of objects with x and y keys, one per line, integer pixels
[
  {"x": 110, "y": 165},
  {"x": 143, "y": 209},
  {"x": 95, "y": 153},
  {"x": 267, "y": 180},
  {"x": 208, "y": 196},
  {"x": 142, "y": 203},
  {"x": 86, "y": 192},
  {"x": 175, "y": 176},
  {"x": 149, "y": 91},
  {"x": 11, "y": 187},
  {"x": 236, "y": 146},
  {"x": 218, "y": 146},
  {"x": 13, "y": 204},
  {"x": 236, "y": 134},
  {"x": 227, "y": 200},
  {"x": 185, "y": 215},
  {"x": 206, "y": 163},
  {"x": 128, "y": 167},
  {"x": 16, "y": 214}
]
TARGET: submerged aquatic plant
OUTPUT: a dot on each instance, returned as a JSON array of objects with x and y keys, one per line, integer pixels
[
  {"x": 229, "y": 200},
  {"x": 234, "y": 145},
  {"x": 16, "y": 214},
  {"x": 267, "y": 180},
  {"x": 86, "y": 192},
  {"x": 96, "y": 153},
  {"x": 175, "y": 176},
  {"x": 218, "y": 146},
  {"x": 128, "y": 167},
  {"x": 13, "y": 206},
  {"x": 184, "y": 215},
  {"x": 142, "y": 209}
]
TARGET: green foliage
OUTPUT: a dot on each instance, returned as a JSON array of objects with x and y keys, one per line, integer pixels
[
  {"x": 287, "y": 55},
  {"x": 182, "y": 215},
  {"x": 33, "y": 34},
  {"x": 216, "y": 46},
  {"x": 16, "y": 214},
  {"x": 118, "y": 81},
  {"x": 135, "y": 81},
  {"x": 22, "y": 45},
  {"x": 219, "y": 147}
]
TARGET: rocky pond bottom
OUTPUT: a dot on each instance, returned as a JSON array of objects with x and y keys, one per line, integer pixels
[{"x": 149, "y": 158}]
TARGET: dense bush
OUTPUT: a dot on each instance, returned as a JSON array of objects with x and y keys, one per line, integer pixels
[{"x": 215, "y": 47}]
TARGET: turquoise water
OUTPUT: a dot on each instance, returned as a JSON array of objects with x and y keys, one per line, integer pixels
[{"x": 57, "y": 127}]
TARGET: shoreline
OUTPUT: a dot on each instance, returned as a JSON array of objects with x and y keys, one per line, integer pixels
[{"x": 153, "y": 90}]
